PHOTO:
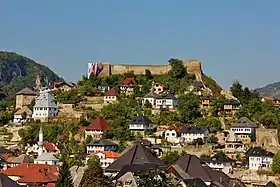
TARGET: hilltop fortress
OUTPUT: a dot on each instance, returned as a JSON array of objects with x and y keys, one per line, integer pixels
[{"x": 193, "y": 67}]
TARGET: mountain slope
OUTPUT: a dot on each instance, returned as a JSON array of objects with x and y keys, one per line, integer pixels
[
  {"x": 17, "y": 72},
  {"x": 271, "y": 90}
]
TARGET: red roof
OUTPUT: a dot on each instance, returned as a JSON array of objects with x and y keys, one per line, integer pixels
[
  {"x": 129, "y": 81},
  {"x": 34, "y": 173},
  {"x": 99, "y": 124},
  {"x": 174, "y": 127},
  {"x": 50, "y": 146},
  {"x": 268, "y": 98},
  {"x": 108, "y": 154},
  {"x": 111, "y": 92}
]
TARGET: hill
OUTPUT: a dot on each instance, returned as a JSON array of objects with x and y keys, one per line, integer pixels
[
  {"x": 271, "y": 90},
  {"x": 17, "y": 72}
]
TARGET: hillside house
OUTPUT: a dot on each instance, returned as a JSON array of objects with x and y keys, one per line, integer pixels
[
  {"x": 48, "y": 147},
  {"x": 233, "y": 145},
  {"x": 244, "y": 129},
  {"x": 140, "y": 124},
  {"x": 64, "y": 86},
  {"x": 158, "y": 88},
  {"x": 190, "y": 133},
  {"x": 172, "y": 134},
  {"x": 67, "y": 107},
  {"x": 273, "y": 100},
  {"x": 128, "y": 85},
  {"x": 259, "y": 158},
  {"x": 25, "y": 97},
  {"x": 221, "y": 162},
  {"x": 97, "y": 128},
  {"x": 165, "y": 100},
  {"x": 111, "y": 96},
  {"x": 35, "y": 174},
  {"x": 104, "y": 87},
  {"x": 205, "y": 101},
  {"x": 105, "y": 157},
  {"x": 21, "y": 159},
  {"x": 22, "y": 115},
  {"x": 231, "y": 106},
  {"x": 101, "y": 145},
  {"x": 45, "y": 107}
]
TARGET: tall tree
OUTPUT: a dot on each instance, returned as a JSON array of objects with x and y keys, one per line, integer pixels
[
  {"x": 64, "y": 177},
  {"x": 94, "y": 176},
  {"x": 178, "y": 70},
  {"x": 188, "y": 107},
  {"x": 276, "y": 163}
]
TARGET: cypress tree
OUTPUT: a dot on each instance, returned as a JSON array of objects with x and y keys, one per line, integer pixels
[{"x": 64, "y": 177}]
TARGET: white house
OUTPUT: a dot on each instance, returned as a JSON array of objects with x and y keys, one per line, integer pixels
[
  {"x": 259, "y": 158},
  {"x": 190, "y": 133},
  {"x": 22, "y": 115},
  {"x": 45, "y": 107},
  {"x": 105, "y": 157},
  {"x": 47, "y": 158},
  {"x": 104, "y": 87},
  {"x": 172, "y": 134},
  {"x": 110, "y": 96},
  {"x": 164, "y": 100},
  {"x": 221, "y": 162},
  {"x": 141, "y": 123},
  {"x": 101, "y": 145}
]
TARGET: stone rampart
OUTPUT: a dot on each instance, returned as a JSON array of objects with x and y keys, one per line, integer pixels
[
  {"x": 193, "y": 67},
  {"x": 268, "y": 138}
]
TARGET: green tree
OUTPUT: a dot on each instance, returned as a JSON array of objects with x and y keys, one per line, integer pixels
[
  {"x": 148, "y": 74},
  {"x": 276, "y": 163},
  {"x": 88, "y": 139},
  {"x": 154, "y": 178},
  {"x": 64, "y": 177},
  {"x": 212, "y": 139},
  {"x": 171, "y": 157},
  {"x": 205, "y": 157},
  {"x": 188, "y": 107},
  {"x": 178, "y": 71},
  {"x": 213, "y": 124},
  {"x": 94, "y": 176}
]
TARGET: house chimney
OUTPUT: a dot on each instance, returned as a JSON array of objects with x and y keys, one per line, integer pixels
[{"x": 221, "y": 179}]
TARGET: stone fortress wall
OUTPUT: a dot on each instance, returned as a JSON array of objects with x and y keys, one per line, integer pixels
[
  {"x": 193, "y": 67},
  {"x": 268, "y": 138}
]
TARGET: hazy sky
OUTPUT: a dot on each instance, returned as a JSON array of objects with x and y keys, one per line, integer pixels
[{"x": 237, "y": 39}]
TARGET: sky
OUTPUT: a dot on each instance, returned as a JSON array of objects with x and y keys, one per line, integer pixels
[{"x": 235, "y": 40}]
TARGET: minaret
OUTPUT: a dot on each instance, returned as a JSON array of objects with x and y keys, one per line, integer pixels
[{"x": 40, "y": 143}]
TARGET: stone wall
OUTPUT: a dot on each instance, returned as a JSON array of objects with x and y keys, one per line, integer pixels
[
  {"x": 268, "y": 138},
  {"x": 193, "y": 67}
]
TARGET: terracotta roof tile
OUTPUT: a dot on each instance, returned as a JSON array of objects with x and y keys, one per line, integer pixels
[
  {"x": 99, "y": 124},
  {"x": 129, "y": 81},
  {"x": 108, "y": 154},
  {"x": 50, "y": 146},
  {"x": 268, "y": 98},
  {"x": 174, "y": 127},
  {"x": 111, "y": 92},
  {"x": 39, "y": 177}
]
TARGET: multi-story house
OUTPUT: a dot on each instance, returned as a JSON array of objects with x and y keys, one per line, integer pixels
[
  {"x": 25, "y": 97},
  {"x": 128, "y": 86},
  {"x": 22, "y": 115},
  {"x": 220, "y": 162},
  {"x": 172, "y": 134},
  {"x": 273, "y": 100},
  {"x": 64, "y": 86},
  {"x": 105, "y": 157},
  {"x": 45, "y": 107},
  {"x": 97, "y": 128},
  {"x": 158, "y": 88},
  {"x": 165, "y": 100},
  {"x": 244, "y": 129},
  {"x": 101, "y": 145},
  {"x": 140, "y": 124},
  {"x": 205, "y": 101},
  {"x": 231, "y": 106},
  {"x": 47, "y": 158},
  {"x": 110, "y": 96},
  {"x": 104, "y": 87},
  {"x": 233, "y": 145},
  {"x": 190, "y": 133},
  {"x": 259, "y": 158}
]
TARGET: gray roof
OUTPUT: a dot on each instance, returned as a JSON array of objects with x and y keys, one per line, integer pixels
[
  {"x": 270, "y": 184},
  {"x": 24, "y": 109},
  {"x": 104, "y": 84},
  {"x": 21, "y": 159},
  {"x": 259, "y": 152},
  {"x": 193, "y": 129},
  {"x": 102, "y": 143},
  {"x": 164, "y": 95},
  {"x": 231, "y": 102},
  {"x": 245, "y": 122},
  {"x": 45, "y": 100},
  {"x": 26, "y": 91},
  {"x": 5, "y": 181},
  {"x": 137, "y": 154},
  {"x": 46, "y": 157},
  {"x": 141, "y": 119}
]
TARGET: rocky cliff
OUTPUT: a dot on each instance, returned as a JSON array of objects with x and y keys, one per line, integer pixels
[{"x": 17, "y": 72}]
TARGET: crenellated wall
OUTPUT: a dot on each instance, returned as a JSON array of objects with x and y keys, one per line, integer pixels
[{"x": 193, "y": 67}]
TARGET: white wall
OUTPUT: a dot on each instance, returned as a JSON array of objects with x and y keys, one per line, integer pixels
[
  {"x": 50, "y": 162},
  {"x": 171, "y": 136},
  {"x": 256, "y": 163},
  {"x": 41, "y": 112},
  {"x": 110, "y": 99},
  {"x": 92, "y": 149},
  {"x": 242, "y": 130}
]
